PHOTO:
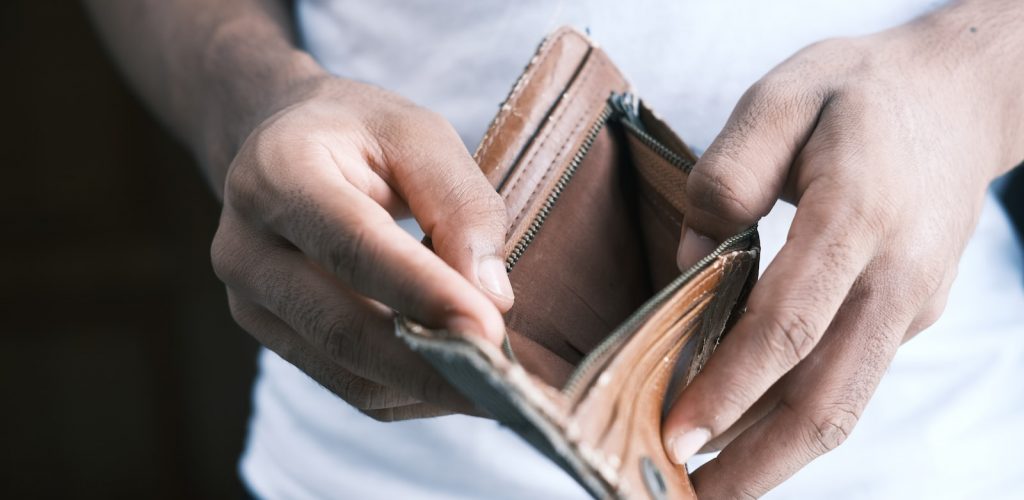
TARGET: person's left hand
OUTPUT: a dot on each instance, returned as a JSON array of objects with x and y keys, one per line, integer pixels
[{"x": 886, "y": 144}]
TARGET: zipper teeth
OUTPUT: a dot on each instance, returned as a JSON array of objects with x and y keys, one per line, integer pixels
[
  {"x": 552, "y": 197},
  {"x": 572, "y": 386},
  {"x": 660, "y": 149}
]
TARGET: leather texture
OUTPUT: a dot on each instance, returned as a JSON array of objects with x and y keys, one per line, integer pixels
[{"x": 605, "y": 330}]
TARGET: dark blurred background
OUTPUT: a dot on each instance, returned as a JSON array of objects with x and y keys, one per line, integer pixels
[{"x": 121, "y": 371}]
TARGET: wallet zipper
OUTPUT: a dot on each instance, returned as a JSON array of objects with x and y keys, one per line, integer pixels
[
  {"x": 556, "y": 192},
  {"x": 623, "y": 106},
  {"x": 627, "y": 106},
  {"x": 596, "y": 357}
]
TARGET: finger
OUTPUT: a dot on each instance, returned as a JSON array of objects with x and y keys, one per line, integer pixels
[
  {"x": 371, "y": 183},
  {"x": 819, "y": 406},
  {"x": 276, "y": 336},
  {"x": 755, "y": 414},
  {"x": 419, "y": 410},
  {"x": 344, "y": 328},
  {"x": 356, "y": 240},
  {"x": 934, "y": 308},
  {"x": 741, "y": 175},
  {"x": 408, "y": 412},
  {"x": 830, "y": 243},
  {"x": 452, "y": 200}
]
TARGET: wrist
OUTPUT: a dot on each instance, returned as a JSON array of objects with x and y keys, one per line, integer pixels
[
  {"x": 976, "y": 46},
  {"x": 247, "y": 82}
]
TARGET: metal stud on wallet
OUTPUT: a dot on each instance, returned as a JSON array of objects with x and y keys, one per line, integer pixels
[{"x": 605, "y": 330}]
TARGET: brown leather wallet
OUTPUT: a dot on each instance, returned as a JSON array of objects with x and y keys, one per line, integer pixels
[{"x": 605, "y": 330}]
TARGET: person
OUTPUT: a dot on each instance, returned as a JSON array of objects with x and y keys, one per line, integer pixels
[{"x": 884, "y": 127}]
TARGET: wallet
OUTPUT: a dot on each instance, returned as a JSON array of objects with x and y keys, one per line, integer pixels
[{"x": 605, "y": 330}]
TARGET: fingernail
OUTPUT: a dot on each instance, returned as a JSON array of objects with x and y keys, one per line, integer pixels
[
  {"x": 695, "y": 246},
  {"x": 494, "y": 279},
  {"x": 687, "y": 444}
]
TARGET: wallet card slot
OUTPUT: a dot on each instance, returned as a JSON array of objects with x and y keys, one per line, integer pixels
[
  {"x": 572, "y": 318},
  {"x": 581, "y": 267},
  {"x": 660, "y": 227},
  {"x": 552, "y": 197},
  {"x": 600, "y": 354},
  {"x": 666, "y": 182}
]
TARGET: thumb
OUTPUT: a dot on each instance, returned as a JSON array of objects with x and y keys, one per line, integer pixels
[
  {"x": 456, "y": 206},
  {"x": 743, "y": 172}
]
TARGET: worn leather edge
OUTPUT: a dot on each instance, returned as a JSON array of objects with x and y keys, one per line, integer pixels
[
  {"x": 726, "y": 308},
  {"x": 549, "y": 72},
  {"x": 554, "y": 145},
  {"x": 536, "y": 411},
  {"x": 506, "y": 391}
]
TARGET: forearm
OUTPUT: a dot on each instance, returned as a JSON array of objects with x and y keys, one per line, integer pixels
[{"x": 210, "y": 70}]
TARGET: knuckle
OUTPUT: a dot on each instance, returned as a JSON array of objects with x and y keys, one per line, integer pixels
[
  {"x": 767, "y": 93},
  {"x": 868, "y": 220},
  {"x": 224, "y": 257},
  {"x": 720, "y": 190},
  {"x": 239, "y": 188},
  {"x": 240, "y": 311},
  {"x": 472, "y": 211},
  {"x": 341, "y": 335},
  {"x": 357, "y": 391},
  {"x": 935, "y": 305},
  {"x": 432, "y": 388},
  {"x": 830, "y": 427},
  {"x": 790, "y": 336},
  {"x": 366, "y": 395},
  {"x": 466, "y": 200},
  {"x": 254, "y": 172},
  {"x": 928, "y": 317},
  {"x": 347, "y": 256},
  {"x": 777, "y": 95},
  {"x": 220, "y": 256},
  {"x": 334, "y": 339}
]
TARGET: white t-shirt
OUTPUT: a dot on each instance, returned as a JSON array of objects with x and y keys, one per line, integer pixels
[{"x": 947, "y": 421}]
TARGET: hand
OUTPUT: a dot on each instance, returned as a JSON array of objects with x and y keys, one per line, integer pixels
[
  {"x": 314, "y": 263},
  {"x": 886, "y": 144}
]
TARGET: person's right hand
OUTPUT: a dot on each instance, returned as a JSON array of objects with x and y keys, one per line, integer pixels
[{"x": 315, "y": 265}]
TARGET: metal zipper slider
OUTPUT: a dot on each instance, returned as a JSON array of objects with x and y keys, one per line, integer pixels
[{"x": 627, "y": 106}]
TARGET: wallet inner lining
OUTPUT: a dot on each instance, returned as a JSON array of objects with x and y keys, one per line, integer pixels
[{"x": 605, "y": 247}]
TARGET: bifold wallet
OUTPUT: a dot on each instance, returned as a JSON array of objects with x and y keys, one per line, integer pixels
[{"x": 605, "y": 329}]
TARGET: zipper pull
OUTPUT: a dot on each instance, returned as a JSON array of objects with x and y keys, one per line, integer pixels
[{"x": 627, "y": 107}]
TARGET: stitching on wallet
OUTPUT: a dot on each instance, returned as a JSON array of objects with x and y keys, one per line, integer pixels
[
  {"x": 515, "y": 93},
  {"x": 540, "y": 147},
  {"x": 547, "y": 135}
]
